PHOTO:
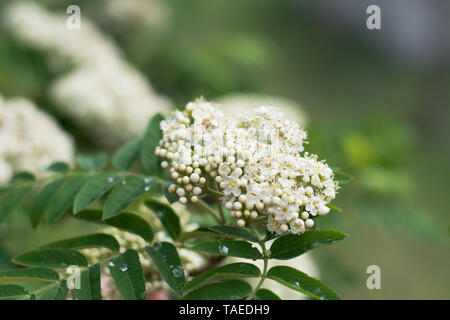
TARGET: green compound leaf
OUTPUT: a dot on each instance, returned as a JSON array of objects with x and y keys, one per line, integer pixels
[
  {"x": 13, "y": 292},
  {"x": 59, "y": 167},
  {"x": 28, "y": 274},
  {"x": 225, "y": 290},
  {"x": 292, "y": 245},
  {"x": 51, "y": 258},
  {"x": 266, "y": 294},
  {"x": 126, "y": 191},
  {"x": 89, "y": 241},
  {"x": 11, "y": 199},
  {"x": 95, "y": 162},
  {"x": 93, "y": 189},
  {"x": 301, "y": 282},
  {"x": 64, "y": 197},
  {"x": 127, "y": 273},
  {"x": 89, "y": 288},
  {"x": 233, "y": 270},
  {"x": 126, "y": 156},
  {"x": 165, "y": 257},
  {"x": 151, "y": 140},
  {"x": 169, "y": 219},
  {"x": 230, "y": 248},
  {"x": 126, "y": 221},
  {"x": 42, "y": 201},
  {"x": 235, "y": 232}
]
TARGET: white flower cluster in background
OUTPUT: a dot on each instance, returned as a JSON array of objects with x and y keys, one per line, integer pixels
[
  {"x": 234, "y": 102},
  {"x": 30, "y": 140},
  {"x": 255, "y": 160},
  {"x": 102, "y": 92},
  {"x": 149, "y": 13}
]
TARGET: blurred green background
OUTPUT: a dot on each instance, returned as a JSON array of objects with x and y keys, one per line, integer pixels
[{"x": 375, "y": 110}]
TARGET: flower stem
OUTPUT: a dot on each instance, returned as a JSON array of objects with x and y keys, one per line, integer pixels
[
  {"x": 203, "y": 205},
  {"x": 264, "y": 273}
]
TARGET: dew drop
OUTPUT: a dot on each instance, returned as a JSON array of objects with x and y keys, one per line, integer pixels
[
  {"x": 124, "y": 182},
  {"x": 157, "y": 246},
  {"x": 223, "y": 249},
  {"x": 147, "y": 188},
  {"x": 111, "y": 264},
  {"x": 111, "y": 179},
  {"x": 123, "y": 268},
  {"x": 177, "y": 272}
]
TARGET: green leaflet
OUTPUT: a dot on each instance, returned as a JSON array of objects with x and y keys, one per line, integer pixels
[
  {"x": 292, "y": 245},
  {"x": 89, "y": 241},
  {"x": 126, "y": 221},
  {"x": 266, "y": 294},
  {"x": 334, "y": 208},
  {"x": 225, "y": 290},
  {"x": 126, "y": 156},
  {"x": 42, "y": 200},
  {"x": 166, "y": 259},
  {"x": 51, "y": 258},
  {"x": 28, "y": 274},
  {"x": 126, "y": 191},
  {"x": 169, "y": 219},
  {"x": 62, "y": 291},
  {"x": 127, "y": 273},
  {"x": 22, "y": 177},
  {"x": 231, "y": 248},
  {"x": 235, "y": 232},
  {"x": 11, "y": 199},
  {"x": 64, "y": 197},
  {"x": 151, "y": 139},
  {"x": 13, "y": 292},
  {"x": 301, "y": 282},
  {"x": 342, "y": 177},
  {"x": 229, "y": 270},
  {"x": 89, "y": 288},
  {"x": 59, "y": 167},
  {"x": 95, "y": 162},
  {"x": 57, "y": 292},
  {"x": 93, "y": 189}
]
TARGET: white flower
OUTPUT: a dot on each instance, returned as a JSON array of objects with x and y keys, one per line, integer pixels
[
  {"x": 234, "y": 103},
  {"x": 106, "y": 95},
  {"x": 30, "y": 140},
  {"x": 255, "y": 158}
]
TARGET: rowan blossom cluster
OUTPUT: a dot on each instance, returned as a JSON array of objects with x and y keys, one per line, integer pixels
[
  {"x": 96, "y": 87},
  {"x": 30, "y": 139},
  {"x": 255, "y": 162}
]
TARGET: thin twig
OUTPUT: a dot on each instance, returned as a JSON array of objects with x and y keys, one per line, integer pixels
[{"x": 205, "y": 206}]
